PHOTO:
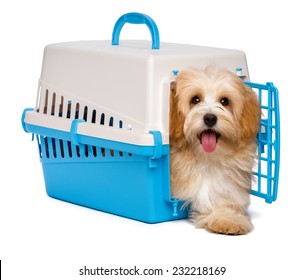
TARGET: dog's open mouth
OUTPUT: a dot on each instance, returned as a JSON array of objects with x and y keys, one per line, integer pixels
[{"x": 209, "y": 139}]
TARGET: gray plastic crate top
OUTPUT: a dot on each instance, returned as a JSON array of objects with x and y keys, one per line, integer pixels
[
  {"x": 102, "y": 121},
  {"x": 129, "y": 81}
]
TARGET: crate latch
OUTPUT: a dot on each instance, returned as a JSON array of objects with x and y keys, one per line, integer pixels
[
  {"x": 73, "y": 133},
  {"x": 175, "y": 203},
  {"x": 263, "y": 135},
  {"x": 158, "y": 148},
  {"x": 23, "y": 117},
  {"x": 23, "y": 122}
]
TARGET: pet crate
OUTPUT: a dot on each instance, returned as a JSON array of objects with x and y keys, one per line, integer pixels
[{"x": 102, "y": 116}]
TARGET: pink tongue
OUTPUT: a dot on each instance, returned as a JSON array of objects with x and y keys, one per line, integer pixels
[{"x": 208, "y": 141}]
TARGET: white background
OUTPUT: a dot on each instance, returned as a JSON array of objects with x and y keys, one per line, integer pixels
[{"x": 43, "y": 238}]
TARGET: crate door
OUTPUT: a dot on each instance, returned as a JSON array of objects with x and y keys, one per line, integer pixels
[{"x": 266, "y": 175}]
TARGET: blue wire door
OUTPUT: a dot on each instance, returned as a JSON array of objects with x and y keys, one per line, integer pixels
[{"x": 265, "y": 183}]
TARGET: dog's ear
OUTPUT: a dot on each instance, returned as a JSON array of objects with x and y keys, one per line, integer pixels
[
  {"x": 250, "y": 119},
  {"x": 176, "y": 117},
  {"x": 173, "y": 86}
]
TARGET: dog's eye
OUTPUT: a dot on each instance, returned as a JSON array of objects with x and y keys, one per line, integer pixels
[
  {"x": 195, "y": 100},
  {"x": 225, "y": 101}
]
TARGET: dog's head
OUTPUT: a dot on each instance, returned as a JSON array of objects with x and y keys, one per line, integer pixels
[{"x": 211, "y": 109}]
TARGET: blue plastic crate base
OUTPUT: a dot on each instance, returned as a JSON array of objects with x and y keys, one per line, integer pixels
[{"x": 116, "y": 182}]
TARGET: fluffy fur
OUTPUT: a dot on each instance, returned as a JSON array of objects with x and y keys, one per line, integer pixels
[{"x": 215, "y": 182}]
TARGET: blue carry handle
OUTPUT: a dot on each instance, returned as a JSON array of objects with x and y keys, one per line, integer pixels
[{"x": 136, "y": 18}]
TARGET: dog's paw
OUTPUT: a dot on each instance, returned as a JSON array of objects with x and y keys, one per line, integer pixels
[{"x": 232, "y": 224}]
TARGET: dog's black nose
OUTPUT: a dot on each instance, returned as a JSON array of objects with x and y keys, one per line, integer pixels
[{"x": 210, "y": 120}]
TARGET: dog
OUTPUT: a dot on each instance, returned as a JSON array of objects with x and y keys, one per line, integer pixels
[{"x": 214, "y": 121}]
